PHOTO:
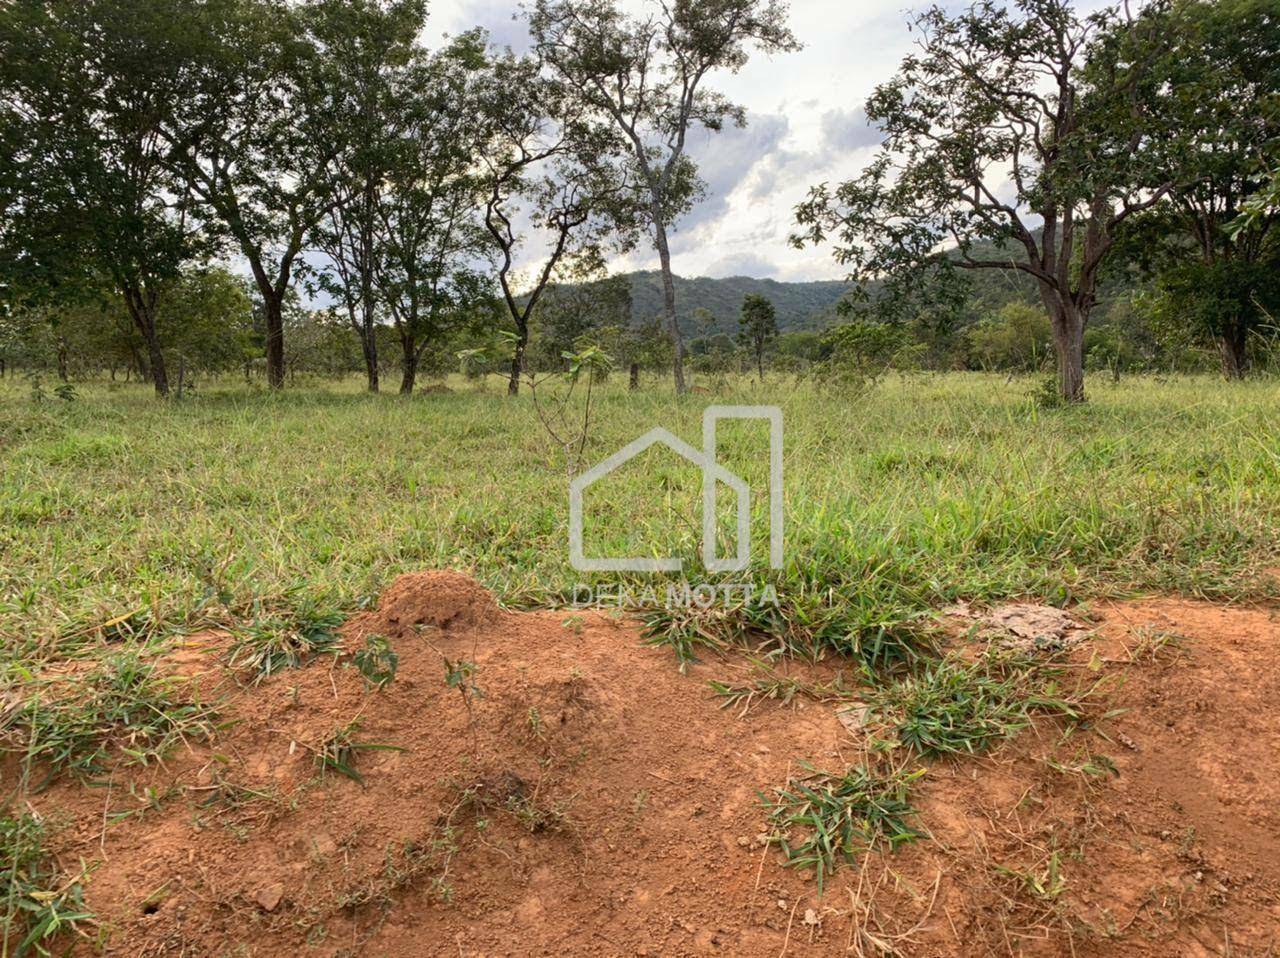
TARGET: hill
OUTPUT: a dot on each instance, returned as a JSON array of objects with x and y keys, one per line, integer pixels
[{"x": 799, "y": 305}]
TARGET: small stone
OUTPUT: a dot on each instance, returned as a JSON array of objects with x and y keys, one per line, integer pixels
[
  {"x": 810, "y": 916},
  {"x": 269, "y": 896},
  {"x": 744, "y": 841},
  {"x": 782, "y": 904}
]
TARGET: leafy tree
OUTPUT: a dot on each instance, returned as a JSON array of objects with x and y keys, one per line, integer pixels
[
  {"x": 647, "y": 75},
  {"x": 989, "y": 127},
  {"x": 368, "y": 45},
  {"x": 432, "y": 245},
  {"x": 1219, "y": 84},
  {"x": 757, "y": 328},
  {"x": 87, "y": 88},
  {"x": 255, "y": 134},
  {"x": 542, "y": 153}
]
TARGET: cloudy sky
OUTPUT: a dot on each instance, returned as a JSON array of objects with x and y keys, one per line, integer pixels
[{"x": 805, "y": 126}]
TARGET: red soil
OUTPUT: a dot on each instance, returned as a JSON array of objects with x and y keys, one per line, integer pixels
[{"x": 614, "y": 808}]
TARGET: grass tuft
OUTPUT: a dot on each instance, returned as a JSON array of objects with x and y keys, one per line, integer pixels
[
  {"x": 838, "y": 816},
  {"x": 75, "y": 722},
  {"x": 957, "y": 707},
  {"x": 39, "y": 901}
]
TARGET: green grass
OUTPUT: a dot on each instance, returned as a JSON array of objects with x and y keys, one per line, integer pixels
[
  {"x": 899, "y": 500},
  {"x": 823, "y": 819},
  {"x": 121, "y": 707},
  {"x": 957, "y": 707},
  {"x": 39, "y": 901}
]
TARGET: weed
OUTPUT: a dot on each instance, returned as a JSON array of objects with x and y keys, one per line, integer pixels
[
  {"x": 338, "y": 752},
  {"x": 377, "y": 661},
  {"x": 841, "y": 815},
  {"x": 278, "y": 640},
  {"x": 1045, "y": 884},
  {"x": 783, "y": 689},
  {"x": 955, "y": 707},
  {"x": 121, "y": 704},
  {"x": 39, "y": 901}
]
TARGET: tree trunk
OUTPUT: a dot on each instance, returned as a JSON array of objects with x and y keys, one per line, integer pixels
[
  {"x": 370, "y": 347},
  {"x": 275, "y": 339},
  {"x": 635, "y": 377},
  {"x": 1233, "y": 346},
  {"x": 669, "y": 303},
  {"x": 64, "y": 372},
  {"x": 408, "y": 365},
  {"x": 1068, "y": 344},
  {"x": 760, "y": 365},
  {"x": 517, "y": 362},
  {"x": 140, "y": 305}
]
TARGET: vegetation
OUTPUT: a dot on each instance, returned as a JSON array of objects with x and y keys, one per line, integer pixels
[
  {"x": 937, "y": 488},
  {"x": 838, "y": 816}
]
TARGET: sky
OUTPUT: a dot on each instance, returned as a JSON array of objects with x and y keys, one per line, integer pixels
[{"x": 805, "y": 126}]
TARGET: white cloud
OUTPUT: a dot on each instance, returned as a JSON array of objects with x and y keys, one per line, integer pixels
[{"x": 806, "y": 126}]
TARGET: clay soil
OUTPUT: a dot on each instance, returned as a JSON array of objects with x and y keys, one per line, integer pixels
[{"x": 586, "y": 798}]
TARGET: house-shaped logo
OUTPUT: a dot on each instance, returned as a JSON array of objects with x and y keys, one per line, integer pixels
[{"x": 712, "y": 473}]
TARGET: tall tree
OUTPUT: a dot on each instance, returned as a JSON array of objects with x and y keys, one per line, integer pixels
[
  {"x": 994, "y": 140},
  {"x": 757, "y": 327},
  {"x": 647, "y": 75},
  {"x": 431, "y": 245},
  {"x": 87, "y": 87},
  {"x": 254, "y": 137},
  {"x": 367, "y": 44},
  {"x": 1218, "y": 83},
  {"x": 554, "y": 198}
]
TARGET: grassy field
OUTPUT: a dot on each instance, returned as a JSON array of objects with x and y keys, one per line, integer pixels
[
  {"x": 125, "y": 522},
  {"x": 235, "y": 506}
]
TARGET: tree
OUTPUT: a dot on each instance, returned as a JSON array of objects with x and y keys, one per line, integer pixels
[
  {"x": 540, "y": 150},
  {"x": 571, "y": 312},
  {"x": 757, "y": 328},
  {"x": 368, "y": 44},
  {"x": 1216, "y": 266},
  {"x": 431, "y": 245},
  {"x": 89, "y": 193},
  {"x": 254, "y": 137},
  {"x": 989, "y": 127},
  {"x": 646, "y": 75}
]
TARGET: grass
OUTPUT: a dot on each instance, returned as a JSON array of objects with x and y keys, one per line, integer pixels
[
  {"x": 898, "y": 501},
  {"x": 121, "y": 706},
  {"x": 824, "y": 819},
  {"x": 272, "y": 640},
  {"x": 340, "y": 751},
  {"x": 40, "y": 902},
  {"x": 955, "y": 707}
]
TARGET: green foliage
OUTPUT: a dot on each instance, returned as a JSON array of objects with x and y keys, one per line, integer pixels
[
  {"x": 273, "y": 638},
  {"x": 1017, "y": 337},
  {"x": 120, "y": 705},
  {"x": 40, "y": 902},
  {"x": 957, "y": 707},
  {"x": 377, "y": 661},
  {"x": 758, "y": 327},
  {"x": 340, "y": 751},
  {"x": 839, "y": 816},
  {"x": 864, "y": 351}
]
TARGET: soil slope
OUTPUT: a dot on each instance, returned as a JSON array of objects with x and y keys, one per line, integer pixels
[{"x": 574, "y": 794}]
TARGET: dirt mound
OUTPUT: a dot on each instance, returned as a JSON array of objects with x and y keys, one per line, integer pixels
[
  {"x": 439, "y": 599},
  {"x": 566, "y": 791}
]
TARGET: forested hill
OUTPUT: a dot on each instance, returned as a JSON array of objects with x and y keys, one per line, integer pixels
[{"x": 799, "y": 305}]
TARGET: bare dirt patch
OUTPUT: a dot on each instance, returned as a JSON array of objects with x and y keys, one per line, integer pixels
[{"x": 556, "y": 788}]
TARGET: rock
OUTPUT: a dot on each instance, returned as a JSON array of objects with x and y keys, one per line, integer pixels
[{"x": 269, "y": 896}]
